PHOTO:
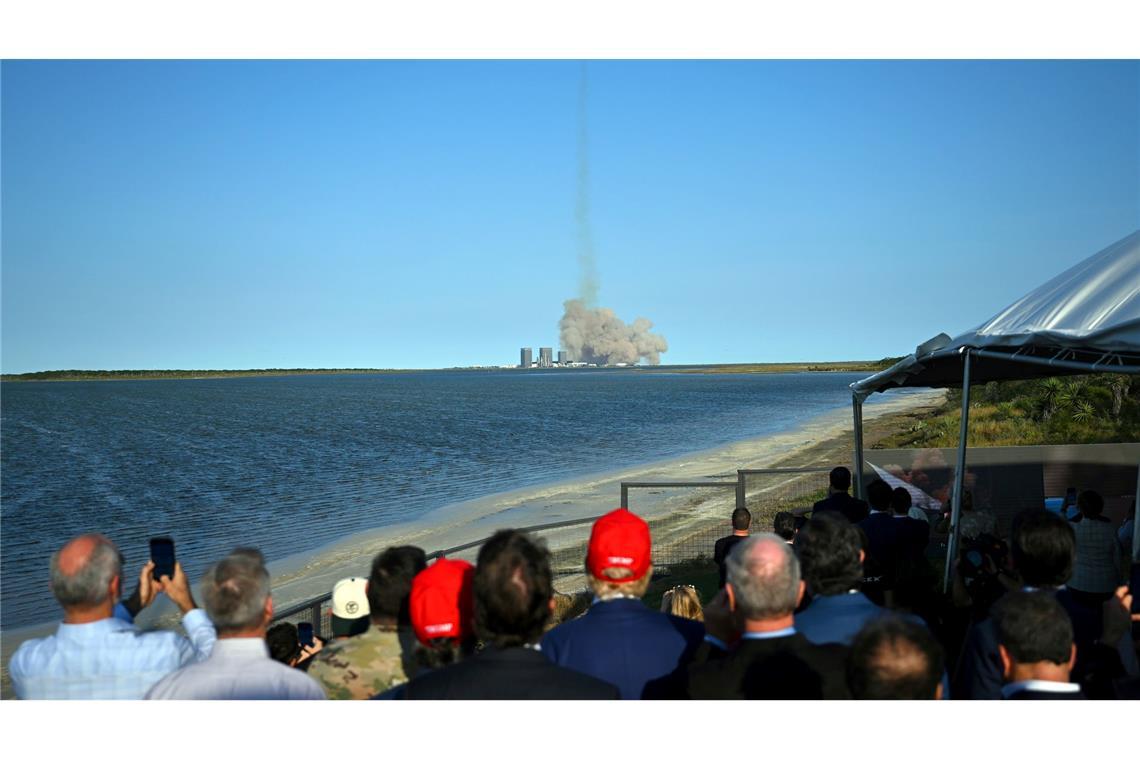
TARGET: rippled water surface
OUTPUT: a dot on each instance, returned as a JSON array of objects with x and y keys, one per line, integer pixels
[{"x": 291, "y": 463}]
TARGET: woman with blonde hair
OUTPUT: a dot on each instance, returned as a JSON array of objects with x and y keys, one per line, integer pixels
[{"x": 683, "y": 601}]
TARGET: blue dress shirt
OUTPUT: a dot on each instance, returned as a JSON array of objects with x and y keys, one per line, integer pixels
[{"x": 106, "y": 659}]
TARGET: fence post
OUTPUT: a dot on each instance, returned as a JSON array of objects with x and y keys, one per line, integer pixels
[
  {"x": 624, "y": 496},
  {"x": 739, "y": 490},
  {"x": 315, "y": 617}
]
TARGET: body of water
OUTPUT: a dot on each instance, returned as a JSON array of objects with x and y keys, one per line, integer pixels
[{"x": 292, "y": 463}]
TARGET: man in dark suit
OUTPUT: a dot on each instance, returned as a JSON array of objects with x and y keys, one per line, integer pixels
[
  {"x": 831, "y": 561},
  {"x": 641, "y": 651},
  {"x": 1043, "y": 549},
  {"x": 752, "y": 650},
  {"x": 838, "y": 500},
  {"x": 741, "y": 522},
  {"x": 1035, "y": 642},
  {"x": 895, "y": 658},
  {"x": 513, "y": 594},
  {"x": 888, "y": 542}
]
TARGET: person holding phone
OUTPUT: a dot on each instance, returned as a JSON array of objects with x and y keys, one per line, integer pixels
[{"x": 97, "y": 652}]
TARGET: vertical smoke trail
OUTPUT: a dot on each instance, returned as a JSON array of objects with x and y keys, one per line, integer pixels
[
  {"x": 588, "y": 270},
  {"x": 588, "y": 333}
]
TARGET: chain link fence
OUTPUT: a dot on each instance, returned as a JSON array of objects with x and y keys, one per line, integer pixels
[{"x": 685, "y": 537}]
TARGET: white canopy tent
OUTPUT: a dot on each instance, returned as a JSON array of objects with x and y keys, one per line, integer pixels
[{"x": 1086, "y": 319}]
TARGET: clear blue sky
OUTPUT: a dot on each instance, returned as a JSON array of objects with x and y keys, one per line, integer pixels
[{"x": 421, "y": 214}]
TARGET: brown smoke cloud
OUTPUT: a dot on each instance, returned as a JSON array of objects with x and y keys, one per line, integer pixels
[{"x": 598, "y": 336}]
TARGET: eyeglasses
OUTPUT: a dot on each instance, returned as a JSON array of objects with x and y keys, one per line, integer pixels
[{"x": 688, "y": 586}]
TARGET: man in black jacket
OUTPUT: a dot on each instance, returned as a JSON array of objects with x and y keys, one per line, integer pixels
[
  {"x": 513, "y": 600},
  {"x": 838, "y": 500},
  {"x": 752, "y": 650},
  {"x": 741, "y": 522},
  {"x": 1043, "y": 549},
  {"x": 1035, "y": 642}
]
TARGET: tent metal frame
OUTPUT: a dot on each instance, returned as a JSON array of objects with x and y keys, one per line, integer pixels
[{"x": 1063, "y": 358}]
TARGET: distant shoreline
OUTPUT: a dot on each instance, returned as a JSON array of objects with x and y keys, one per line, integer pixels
[{"x": 72, "y": 375}]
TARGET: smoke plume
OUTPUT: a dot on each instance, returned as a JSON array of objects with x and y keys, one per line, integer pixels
[
  {"x": 591, "y": 334},
  {"x": 587, "y": 269},
  {"x": 599, "y": 336}
]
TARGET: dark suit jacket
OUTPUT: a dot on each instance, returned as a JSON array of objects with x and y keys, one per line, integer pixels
[
  {"x": 514, "y": 673},
  {"x": 851, "y": 508},
  {"x": 789, "y": 667},
  {"x": 1031, "y": 694},
  {"x": 979, "y": 674},
  {"x": 641, "y": 651},
  {"x": 721, "y": 549},
  {"x": 892, "y": 542}
]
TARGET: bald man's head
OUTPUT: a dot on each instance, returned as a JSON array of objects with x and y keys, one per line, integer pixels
[
  {"x": 765, "y": 577},
  {"x": 82, "y": 571},
  {"x": 894, "y": 658}
]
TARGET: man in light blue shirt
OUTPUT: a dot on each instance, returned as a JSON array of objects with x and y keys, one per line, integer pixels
[{"x": 98, "y": 652}]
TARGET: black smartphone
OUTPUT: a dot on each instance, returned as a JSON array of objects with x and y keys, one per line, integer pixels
[
  {"x": 305, "y": 634},
  {"x": 162, "y": 554}
]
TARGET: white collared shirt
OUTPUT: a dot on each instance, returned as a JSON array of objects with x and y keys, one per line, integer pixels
[
  {"x": 760, "y": 635},
  {"x": 238, "y": 668},
  {"x": 1055, "y": 687}
]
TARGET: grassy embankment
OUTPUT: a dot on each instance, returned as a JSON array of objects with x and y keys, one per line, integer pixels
[{"x": 1080, "y": 409}]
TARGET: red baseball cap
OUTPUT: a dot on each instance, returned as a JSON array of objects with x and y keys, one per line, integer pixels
[
  {"x": 441, "y": 604},
  {"x": 619, "y": 539}
]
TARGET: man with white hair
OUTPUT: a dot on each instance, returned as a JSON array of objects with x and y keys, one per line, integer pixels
[
  {"x": 236, "y": 596},
  {"x": 97, "y": 652},
  {"x": 752, "y": 649}
]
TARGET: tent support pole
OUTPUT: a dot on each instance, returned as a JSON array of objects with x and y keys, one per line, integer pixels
[
  {"x": 857, "y": 408},
  {"x": 959, "y": 476}
]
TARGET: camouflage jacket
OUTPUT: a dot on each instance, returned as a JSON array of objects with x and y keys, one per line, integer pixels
[{"x": 366, "y": 664}]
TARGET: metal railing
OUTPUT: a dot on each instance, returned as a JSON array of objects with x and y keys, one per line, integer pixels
[
  {"x": 317, "y": 610},
  {"x": 793, "y": 490}
]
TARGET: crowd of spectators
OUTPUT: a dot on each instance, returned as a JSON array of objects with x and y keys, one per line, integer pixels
[{"x": 819, "y": 608}]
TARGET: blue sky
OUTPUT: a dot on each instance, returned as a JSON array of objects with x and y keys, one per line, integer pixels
[{"x": 421, "y": 214}]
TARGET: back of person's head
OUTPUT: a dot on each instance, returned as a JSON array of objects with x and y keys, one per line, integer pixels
[
  {"x": 839, "y": 478},
  {"x": 83, "y": 569},
  {"x": 784, "y": 525},
  {"x": 879, "y": 495},
  {"x": 1033, "y": 627},
  {"x": 619, "y": 555},
  {"x": 1043, "y": 547},
  {"x": 828, "y": 547},
  {"x": 442, "y": 610},
  {"x": 900, "y": 501},
  {"x": 390, "y": 582},
  {"x": 513, "y": 587},
  {"x": 235, "y": 594},
  {"x": 283, "y": 642},
  {"x": 765, "y": 577},
  {"x": 249, "y": 551},
  {"x": 741, "y": 519},
  {"x": 1090, "y": 503},
  {"x": 683, "y": 601},
  {"x": 894, "y": 658}
]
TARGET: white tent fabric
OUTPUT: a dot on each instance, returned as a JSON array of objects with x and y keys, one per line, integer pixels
[
  {"x": 1087, "y": 315},
  {"x": 1086, "y": 319}
]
